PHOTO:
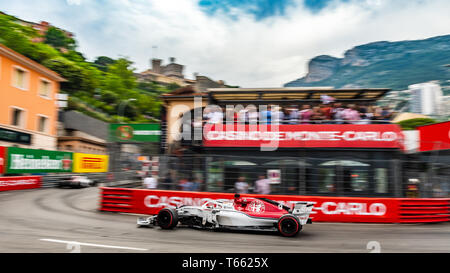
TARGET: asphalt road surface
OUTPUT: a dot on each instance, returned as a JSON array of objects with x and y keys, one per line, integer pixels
[{"x": 51, "y": 220}]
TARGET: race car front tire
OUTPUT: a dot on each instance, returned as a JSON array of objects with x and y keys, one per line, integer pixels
[
  {"x": 167, "y": 218},
  {"x": 288, "y": 225}
]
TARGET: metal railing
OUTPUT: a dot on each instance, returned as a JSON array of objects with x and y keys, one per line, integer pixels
[
  {"x": 110, "y": 179},
  {"x": 300, "y": 122},
  {"x": 305, "y": 175}
]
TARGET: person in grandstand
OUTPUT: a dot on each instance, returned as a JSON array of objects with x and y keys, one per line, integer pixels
[
  {"x": 265, "y": 115},
  {"x": 150, "y": 182},
  {"x": 262, "y": 185},
  {"x": 241, "y": 186}
]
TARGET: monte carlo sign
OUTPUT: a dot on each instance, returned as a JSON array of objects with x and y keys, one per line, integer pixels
[
  {"x": 20, "y": 160},
  {"x": 144, "y": 132},
  {"x": 304, "y": 136}
]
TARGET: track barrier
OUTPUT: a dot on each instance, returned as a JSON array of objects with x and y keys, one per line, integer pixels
[
  {"x": 10, "y": 183},
  {"x": 424, "y": 210},
  {"x": 326, "y": 209}
]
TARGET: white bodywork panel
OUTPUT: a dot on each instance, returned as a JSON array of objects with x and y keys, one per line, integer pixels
[
  {"x": 237, "y": 218},
  {"x": 302, "y": 211},
  {"x": 225, "y": 216}
]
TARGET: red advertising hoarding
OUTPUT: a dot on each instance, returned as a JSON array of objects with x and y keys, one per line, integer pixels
[
  {"x": 330, "y": 209},
  {"x": 9, "y": 183},
  {"x": 304, "y": 136},
  {"x": 326, "y": 209},
  {"x": 434, "y": 137},
  {"x": 2, "y": 159}
]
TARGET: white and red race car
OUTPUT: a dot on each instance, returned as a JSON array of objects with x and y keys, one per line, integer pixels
[{"x": 244, "y": 213}]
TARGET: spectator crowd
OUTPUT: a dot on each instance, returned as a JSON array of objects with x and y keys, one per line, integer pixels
[
  {"x": 333, "y": 113},
  {"x": 260, "y": 186}
]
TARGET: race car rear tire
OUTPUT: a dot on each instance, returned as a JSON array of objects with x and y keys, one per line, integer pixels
[
  {"x": 289, "y": 225},
  {"x": 167, "y": 218}
]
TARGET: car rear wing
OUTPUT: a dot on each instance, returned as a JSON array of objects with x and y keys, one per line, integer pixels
[{"x": 302, "y": 210}]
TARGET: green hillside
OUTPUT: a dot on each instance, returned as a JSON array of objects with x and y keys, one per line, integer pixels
[{"x": 95, "y": 88}]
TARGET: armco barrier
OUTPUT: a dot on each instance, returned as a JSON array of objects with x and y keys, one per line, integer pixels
[
  {"x": 326, "y": 209},
  {"x": 118, "y": 200},
  {"x": 118, "y": 179},
  {"x": 424, "y": 210},
  {"x": 10, "y": 183}
]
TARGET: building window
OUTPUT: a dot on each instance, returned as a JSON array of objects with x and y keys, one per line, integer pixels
[
  {"x": 69, "y": 147},
  {"x": 17, "y": 117},
  {"x": 42, "y": 124},
  {"x": 20, "y": 78},
  {"x": 45, "y": 88}
]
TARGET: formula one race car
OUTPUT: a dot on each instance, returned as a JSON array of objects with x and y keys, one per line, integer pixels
[
  {"x": 76, "y": 181},
  {"x": 244, "y": 213}
]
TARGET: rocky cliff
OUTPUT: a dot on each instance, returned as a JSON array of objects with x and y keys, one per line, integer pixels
[{"x": 382, "y": 64}]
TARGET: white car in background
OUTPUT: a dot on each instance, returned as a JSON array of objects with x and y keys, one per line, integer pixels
[{"x": 76, "y": 181}]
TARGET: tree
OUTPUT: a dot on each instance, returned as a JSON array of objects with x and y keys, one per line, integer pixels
[
  {"x": 78, "y": 78},
  {"x": 172, "y": 86},
  {"x": 113, "y": 80},
  {"x": 122, "y": 69},
  {"x": 109, "y": 97},
  {"x": 58, "y": 39},
  {"x": 102, "y": 62},
  {"x": 19, "y": 38},
  {"x": 130, "y": 111},
  {"x": 75, "y": 56},
  {"x": 412, "y": 124}
]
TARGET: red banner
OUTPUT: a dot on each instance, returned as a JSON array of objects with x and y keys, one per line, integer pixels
[
  {"x": 326, "y": 209},
  {"x": 435, "y": 137},
  {"x": 2, "y": 159},
  {"x": 304, "y": 135},
  {"x": 9, "y": 183}
]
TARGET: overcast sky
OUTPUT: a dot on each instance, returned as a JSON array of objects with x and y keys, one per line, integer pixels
[{"x": 250, "y": 43}]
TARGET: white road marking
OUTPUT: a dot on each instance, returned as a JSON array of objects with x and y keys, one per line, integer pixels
[{"x": 93, "y": 245}]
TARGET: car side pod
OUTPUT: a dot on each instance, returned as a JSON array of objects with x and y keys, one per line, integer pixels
[{"x": 288, "y": 225}]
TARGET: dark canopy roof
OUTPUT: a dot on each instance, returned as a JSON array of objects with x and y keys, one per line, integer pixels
[{"x": 293, "y": 95}]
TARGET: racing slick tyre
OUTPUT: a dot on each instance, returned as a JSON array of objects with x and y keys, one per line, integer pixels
[
  {"x": 289, "y": 225},
  {"x": 167, "y": 218}
]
